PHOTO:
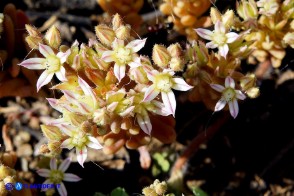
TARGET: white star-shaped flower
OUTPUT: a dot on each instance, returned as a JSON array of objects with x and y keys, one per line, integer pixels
[
  {"x": 219, "y": 38},
  {"x": 57, "y": 175},
  {"x": 52, "y": 63},
  {"x": 123, "y": 55},
  {"x": 229, "y": 96}
]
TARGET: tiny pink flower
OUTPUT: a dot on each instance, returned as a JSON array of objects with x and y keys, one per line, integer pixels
[
  {"x": 229, "y": 96},
  {"x": 164, "y": 82},
  {"x": 52, "y": 63},
  {"x": 219, "y": 38},
  {"x": 57, "y": 175},
  {"x": 123, "y": 55}
]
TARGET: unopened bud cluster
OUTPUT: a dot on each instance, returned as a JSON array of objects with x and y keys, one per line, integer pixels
[
  {"x": 186, "y": 15},
  {"x": 156, "y": 189},
  {"x": 271, "y": 28}
]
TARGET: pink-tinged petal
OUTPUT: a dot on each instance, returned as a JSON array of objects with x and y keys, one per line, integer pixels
[
  {"x": 127, "y": 111},
  {"x": 53, "y": 164},
  {"x": 151, "y": 74},
  {"x": 107, "y": 56},
  {"x": 240, "y": 95},
  {"x": 81, "y": 155},
  {"x": 64, "y": 165},
  {"x": 144, "y": 123},
  {"x": 136, "y": 62},
  {"x": 54, "y": 104},
  {"x": 160, "y": 108},
  {"x": 43, "y": 172},
  {"x": 169, "y": 101},
  {"x": 67, "y": 129},
  {"x": 229, "y": 82},
  {"x": 137, "y": 44},
  {"x": 231, "y": 37},
  {"x": 84, "y": 108},
  {"x": 223, "y": 50},
  {"x": 71, "y": 177},
  {"x": 61, "y": 74},
  {"x": 220, "y": 105},
  {"x": 117, "y": 43},
  {"x": 180, "y": 84},
  {"x": 87, "y": 90},
  {"x": 33, "y": 63},
  {"x": 57, "y": 122},
  {"x": 94, "y": 143},
  {"x": 234, "y": 108},
  {"x": 45, "y": 50},
  {"x": 70, "y": 96},
  {"x": 217, "y": 87},
  {"x": 150, "y": 93},
  {"x": 62, "y": 190},
  {"x": 63, "y": 55},
  {"x": 211, "y": 45},
  {"x": 219, "y": 27},
  {"x": 44, "y": 79},
  {"x": 67, "y": 144},
  {"x": 204, "y": 33},
  {"x": 119, "y": 71}
]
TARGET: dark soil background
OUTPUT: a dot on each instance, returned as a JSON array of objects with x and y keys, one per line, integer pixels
[{"x": 259, "y": 142}]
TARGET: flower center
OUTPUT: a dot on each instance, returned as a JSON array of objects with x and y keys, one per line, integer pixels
[
  {"x": 163, "y": 82},
  {"x": 229, "y": 94},
  {"x": 123, "y": 55},
  {"x": 52, "y": 64},
  {"x": 219, "y": 39},
  {"x": 56, "y": 176},
  {"x": 79, "y": 140}
]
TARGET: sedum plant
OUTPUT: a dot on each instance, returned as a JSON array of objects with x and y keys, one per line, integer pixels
[{"x": 111, "y": 95}]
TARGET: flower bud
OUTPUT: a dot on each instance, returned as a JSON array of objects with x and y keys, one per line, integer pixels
[
  {"x": 101, "y": 117},
  {"x": 123, "y": 32},
  {"x": 51, "y": 132},
  {"x": 6, "y": 171},
  {"x": 215, "y": 15},
  {"x": 228, "y": 18},
  {"x": 33, "y": 42},
  {"x": 52, "y": 37},
  {"x": 161, "y": 188},
  {"x": 176, "y": 64},
  {"x": 54, "y": 147},
  {"x": 288, "y": 39},
  {"x": 247, "y": 82},
  {"x": 147, "y": 191},
  {"x": 32, "y": 31},
  {"x": 9, "y": 179},
  {"x": 139, "y": 75},
  {"x": 160, "y": 56},
  {"x": 116, "y": 21},
  {"x": 247, "y": 9},
  {"x": 86, "y": 127},
  {"x": 105, "y": 34},
  {"x": 253, "y": 92},
  {"x": 175, "y": 50},
  {"x": 44, "y": 149}
]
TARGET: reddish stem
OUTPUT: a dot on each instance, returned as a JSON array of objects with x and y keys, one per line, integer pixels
[{"x": 193, "y": 147}]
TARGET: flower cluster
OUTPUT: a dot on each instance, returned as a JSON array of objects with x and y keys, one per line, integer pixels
[
  {"x": 186, "y": 15},
  {"x": 272, "y": 28},
  {"x": 208, "y": 71},
  {"x": 111, "y": 95}
]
